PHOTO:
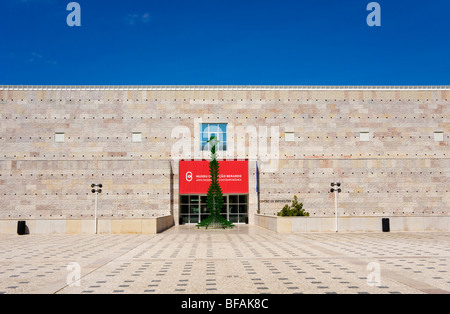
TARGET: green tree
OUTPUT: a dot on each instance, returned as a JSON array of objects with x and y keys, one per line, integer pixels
[
  {"x": 296, "y": 209},
  {"x": 214, "y": 198}
]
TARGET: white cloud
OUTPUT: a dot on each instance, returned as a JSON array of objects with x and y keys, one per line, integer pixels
[
  {"x": 35, "y": 57},
  {"x": 40, "y": 59},
  {"x": 135, "y": 18}
]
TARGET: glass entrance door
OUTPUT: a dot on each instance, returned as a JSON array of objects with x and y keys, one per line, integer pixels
[
  {"x": 237, "y": 208},
  {"x": 193, "y": 208}
]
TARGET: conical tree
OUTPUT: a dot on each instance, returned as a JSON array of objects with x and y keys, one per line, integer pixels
[{"x": 214, "y": 198}]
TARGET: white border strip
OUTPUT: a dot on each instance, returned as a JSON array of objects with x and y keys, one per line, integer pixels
[{"x": 219, "y": 88}]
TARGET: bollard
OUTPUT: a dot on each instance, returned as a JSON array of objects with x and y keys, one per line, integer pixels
[
  {"x": 21, "y": 227},
  {"x": 386, "y": 225}
]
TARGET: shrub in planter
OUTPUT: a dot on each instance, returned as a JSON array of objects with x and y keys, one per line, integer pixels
[{"x": 295, "y": 210}]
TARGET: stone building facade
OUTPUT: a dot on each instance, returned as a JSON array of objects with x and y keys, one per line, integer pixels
[{"x": 388, "y": 146}]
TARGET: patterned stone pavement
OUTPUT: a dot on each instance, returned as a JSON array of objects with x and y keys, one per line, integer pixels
[{"x": 246, "y": 260}]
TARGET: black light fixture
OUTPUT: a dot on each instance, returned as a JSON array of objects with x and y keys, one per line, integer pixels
[
  {"x": 336, "y": 191},
  {"x": 96, "y": 189},
  {"x": 338, "y": 184}
]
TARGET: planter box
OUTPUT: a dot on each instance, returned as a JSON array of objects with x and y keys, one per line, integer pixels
[
  {"x": 352, "y": 224},
  {"x": 105, "y": 226}
]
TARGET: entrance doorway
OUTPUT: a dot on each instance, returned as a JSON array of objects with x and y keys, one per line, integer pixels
[{"x": 193, "y": 208}]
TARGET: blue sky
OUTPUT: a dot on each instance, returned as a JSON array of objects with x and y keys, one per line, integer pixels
[{"x": 228, "y": 42}]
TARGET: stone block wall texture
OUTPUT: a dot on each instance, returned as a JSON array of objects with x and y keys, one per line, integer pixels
[{"x": 401, "y": 170}]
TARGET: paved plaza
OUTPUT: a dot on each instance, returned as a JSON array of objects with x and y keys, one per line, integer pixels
[{"x": 246, "y": 260}]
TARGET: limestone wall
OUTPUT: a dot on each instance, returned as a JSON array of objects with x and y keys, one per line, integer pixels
[{"x": 400, "y": 170}]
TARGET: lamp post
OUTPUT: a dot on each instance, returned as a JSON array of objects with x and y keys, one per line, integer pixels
[
  {"x": 336, "y": 191},
  {"x": 96, "y": 189}
]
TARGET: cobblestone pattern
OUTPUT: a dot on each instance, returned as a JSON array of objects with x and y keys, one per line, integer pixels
[{"x": 245, "y": 260}]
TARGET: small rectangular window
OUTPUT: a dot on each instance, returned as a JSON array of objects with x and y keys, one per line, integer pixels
[
  {"x": 438, "y": 136},
  {"x": 289, "y": 136},
  {"x": 136, "y": 137},
  {"x": 59, "y": 137},
  {"x": 218, "y": 130},
  {"x": 364, "y": 136}
]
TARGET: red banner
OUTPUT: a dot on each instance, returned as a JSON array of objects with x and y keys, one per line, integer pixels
[{"x": 195, "y": 179}]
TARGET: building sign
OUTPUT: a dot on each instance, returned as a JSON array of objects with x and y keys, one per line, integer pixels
[
  {"x": 276, "y": 201},
  {"x": 194, "y": 176}
]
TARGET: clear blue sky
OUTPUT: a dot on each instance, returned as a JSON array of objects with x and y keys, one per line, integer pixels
[{"x": 227, "y": 42}]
